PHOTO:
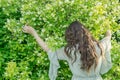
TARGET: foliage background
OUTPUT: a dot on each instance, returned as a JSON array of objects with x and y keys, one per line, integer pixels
[{"x": 20, "y": 56}]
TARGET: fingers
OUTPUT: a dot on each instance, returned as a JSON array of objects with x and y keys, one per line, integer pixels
[
  {"x": 25, "y": 29},
  {"x": 28, "y": 29},
  {"x": 108, "y": 33}
]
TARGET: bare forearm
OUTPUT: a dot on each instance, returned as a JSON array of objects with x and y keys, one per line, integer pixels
[
  {"x": 30, "y": 30},
  {"x": 40, "y": 41}
]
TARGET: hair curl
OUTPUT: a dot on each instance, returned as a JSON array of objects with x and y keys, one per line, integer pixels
[{"x": 80, "y": 39}]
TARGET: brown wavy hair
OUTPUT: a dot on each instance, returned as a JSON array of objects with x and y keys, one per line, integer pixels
[{"x": 80, "y": 39}]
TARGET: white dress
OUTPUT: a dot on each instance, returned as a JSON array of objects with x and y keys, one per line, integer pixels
[{"x": 79, "y": 74}]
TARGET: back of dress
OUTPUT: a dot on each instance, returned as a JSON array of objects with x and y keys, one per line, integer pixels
[{"x": 79, "y": 74}]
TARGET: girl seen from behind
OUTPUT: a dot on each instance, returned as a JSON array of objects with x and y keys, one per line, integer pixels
[{"x": 87, "y": 57}]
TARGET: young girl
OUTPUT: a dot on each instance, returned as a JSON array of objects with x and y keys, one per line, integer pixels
[{"x": 87, "y": 58}]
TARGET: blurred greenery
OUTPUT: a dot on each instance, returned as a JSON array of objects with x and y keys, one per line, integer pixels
[{"x": 20, "y": 56}]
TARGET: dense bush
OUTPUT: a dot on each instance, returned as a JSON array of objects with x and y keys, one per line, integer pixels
[{"x": 20, "y": 56}]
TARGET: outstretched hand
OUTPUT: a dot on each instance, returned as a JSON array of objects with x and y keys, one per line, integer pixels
[{"x": 28, "y": 29}]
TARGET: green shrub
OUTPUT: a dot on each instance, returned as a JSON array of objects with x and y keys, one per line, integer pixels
[{"x": 20, "y": 56}]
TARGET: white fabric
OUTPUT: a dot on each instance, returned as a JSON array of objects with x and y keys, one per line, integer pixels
[
  {"x": 79, "y": 74},
  {"x": 106, "y": 64},
  {"x": 54, "y": 65}
]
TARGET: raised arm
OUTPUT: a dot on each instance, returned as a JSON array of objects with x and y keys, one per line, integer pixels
[
  {"x": 107, "y": 62},
  {"x": 30, "y": 30},
  {"x": 106, "y": 41}
]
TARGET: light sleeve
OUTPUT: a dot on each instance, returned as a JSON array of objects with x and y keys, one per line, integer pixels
[
  {"x": 106, "y": 63},
  {"x": 54, "y": 63}
]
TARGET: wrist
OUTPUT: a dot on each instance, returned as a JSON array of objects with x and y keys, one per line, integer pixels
[{"x": 33, "y": 32}]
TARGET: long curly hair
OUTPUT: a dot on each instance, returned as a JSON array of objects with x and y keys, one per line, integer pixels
[{"x": 80, "y": 40}]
